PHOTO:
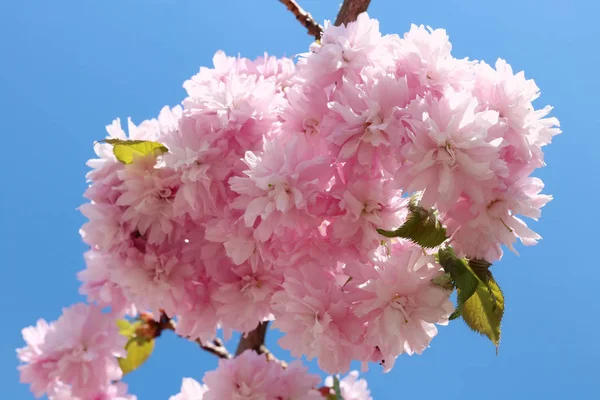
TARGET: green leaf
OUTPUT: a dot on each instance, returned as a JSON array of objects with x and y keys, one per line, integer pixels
[
  {"x": 127, "y": 151},
  {"x": 337, "y": 389},
  {"x": 138, "y": 351},
  {"x": 484, "y": 310},
  {"x": 464, "y": 279},
  {"x": 138, "y": 348},
  {"x": 127, "y": 328},
  {"x": 422, "y": 227}
]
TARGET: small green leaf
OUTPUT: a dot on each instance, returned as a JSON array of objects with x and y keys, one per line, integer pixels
[
  {"x": 483, "y": 311},
  {"x": 127, "y": 328},
  {"x": 138, "y": 348},
  {"x": 138, "y": 351},
  {"x": 422, "y": 227},
  {"x": 464, "y": 279},
  {"x": 127, "y": 151},
  {"x": 337, "y": 389}
]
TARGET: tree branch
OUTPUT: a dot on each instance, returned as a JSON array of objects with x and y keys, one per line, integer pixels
[
  {"x": 312, "y": 26},
  {"x": 153, "y": 329},
  {"x": 255, "y": 340},
  {"x": 350, "y": 10}
]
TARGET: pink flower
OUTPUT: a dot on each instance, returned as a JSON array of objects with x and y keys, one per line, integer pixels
[
  {"x": 197, "y": 311},
  {"x": 79, "y": 350},
  {"x": 402, "y": 305},
  {"x": 241, "y": 108},
  {"x": 317, "y": 320},
  {"x": 307, "y": 105},
  {"x": 190, "y": 390},
  {"x": 450, "y": 152},
  {"x": 148, "y": 193},
  {"x": 344, "y": 50},
  {"x": 368, "y": 205},
  {"x": 245, "y": 298},
  {"x": 98, "y": 285},
  {"x": 423, "y": 56},
  {"x": 267, "y": 206},
  {"x": 154, "y": 279},
  {"x": 39, "y": 363},
  {"x": 250, "y": 376},
  {"x": 296, "y": 383},
  {"x": 364, "y": 122},
  {"x": 351, "y": 387},
  {"x": 118, "y": 391},
  {"x": 478, "y": 231},
  {"x": 278, "y": 186}
]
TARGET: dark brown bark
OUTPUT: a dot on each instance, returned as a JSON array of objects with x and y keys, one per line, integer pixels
[
  {"x": 312, "y": 26},
  {"x": 152, "y": 329},
  {"x": 350, "y": 11},
  {"x": 253, "y": 340}
]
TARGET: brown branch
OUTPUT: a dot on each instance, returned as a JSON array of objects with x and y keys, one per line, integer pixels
[
  {"x": 255, "y": 340},
  {"x": 350, "y": 11},
  {"x": 304, "y": 17},
  {"x": 153, "y": 329}
]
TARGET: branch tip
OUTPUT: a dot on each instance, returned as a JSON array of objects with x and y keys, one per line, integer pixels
[{"x": 304, "y": 17}]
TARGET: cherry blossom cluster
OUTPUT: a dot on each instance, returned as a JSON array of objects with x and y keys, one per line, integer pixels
[
  {"x": 74, "y": 358},
  {"x": 251, "y": 376},
  {"x": 267, "y": 203}
]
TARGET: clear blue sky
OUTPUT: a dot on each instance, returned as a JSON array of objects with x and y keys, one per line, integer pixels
[{"x": 69, "y": 67}]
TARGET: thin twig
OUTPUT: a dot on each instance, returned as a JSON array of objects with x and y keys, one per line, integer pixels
[
  {"x": 304, "y": 17},
  {"x": 350, "y": 11},
  {"x": 154, "y": 328}
]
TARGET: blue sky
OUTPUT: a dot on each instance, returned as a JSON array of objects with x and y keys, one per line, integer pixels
[{"x": 69, "y": 67}]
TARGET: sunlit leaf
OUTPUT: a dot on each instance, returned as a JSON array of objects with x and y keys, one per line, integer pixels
[
  {"x": 138, "y": 348},
  {"x": 484, "y": 310},
  {"x": 127, "y": 328},
  {"x": 464, "y": 279},
  {"x": 422, "y": 227},
  {"x": 138, "y": 351},
  {"x": 127, "y": 151}
]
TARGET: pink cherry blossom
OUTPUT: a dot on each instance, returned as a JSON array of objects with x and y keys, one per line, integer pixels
[
  {"x": 100, "y": 287},
  {"x": 402, "y": 305},
  {"x": 351, "y": 387},
  {"x": 118, "y": 391},
  {"x": 478, "y": 231},
  {"x": 279, "y": 185},
  {"x": 316, "y": 317},
  {"x": 450, "y": 152},
  {"x": 79, "y": 350},
  {"x": 190, "y": 390},
  {"x": 268, "y": 202},
  {"x": 251, "y": 377}
]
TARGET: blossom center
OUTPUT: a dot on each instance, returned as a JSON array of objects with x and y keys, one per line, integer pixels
[
  {"x": 371, "y": 207},
  {"x": 404, "y": 304},
  {"x": 166, "y": 193},
  {"x": 446, "y": 153},
  {"x": 372, "y": 133},
  {"x": 310, "y": 126}
]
